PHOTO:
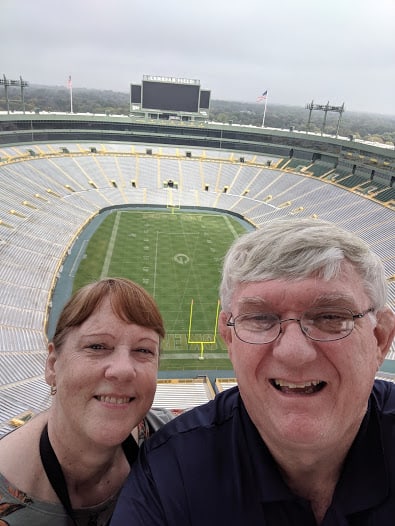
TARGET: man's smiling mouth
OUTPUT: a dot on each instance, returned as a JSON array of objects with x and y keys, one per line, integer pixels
[{"x": 302, "y": 388}]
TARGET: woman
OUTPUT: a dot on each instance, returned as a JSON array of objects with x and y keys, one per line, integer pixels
[{"x": 66, "y": 466}]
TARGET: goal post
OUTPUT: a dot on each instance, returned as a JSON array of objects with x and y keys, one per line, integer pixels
[
  {"x": 171, "y": 202},
  {"x": 202, "y": 343}
]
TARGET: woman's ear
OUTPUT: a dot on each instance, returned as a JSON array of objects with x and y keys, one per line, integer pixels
[{"x": 50, "y": 373}]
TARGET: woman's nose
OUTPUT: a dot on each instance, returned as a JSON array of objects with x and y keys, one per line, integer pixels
[{"x": 120, "y": 365}]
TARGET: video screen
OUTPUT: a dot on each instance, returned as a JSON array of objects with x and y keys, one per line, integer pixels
[
  {"x": 204, "y": 99},
  {"x": 135, "y": 94},
  {"x": 167, "y": 96}
]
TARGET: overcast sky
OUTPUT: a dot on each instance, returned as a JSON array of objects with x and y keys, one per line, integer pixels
[{"x": 299, "y": 50}]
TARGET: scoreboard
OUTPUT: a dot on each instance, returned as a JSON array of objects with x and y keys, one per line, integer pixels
[{"x": 170, "y": 94}]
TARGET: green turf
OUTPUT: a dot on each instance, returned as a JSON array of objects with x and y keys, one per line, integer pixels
[{"x": 177, "y": 257}]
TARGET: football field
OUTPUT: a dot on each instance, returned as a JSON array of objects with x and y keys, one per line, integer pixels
[{"x": 177, "y": 257}]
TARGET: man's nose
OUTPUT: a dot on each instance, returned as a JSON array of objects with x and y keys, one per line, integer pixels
[{"x": 292, "y": 345}]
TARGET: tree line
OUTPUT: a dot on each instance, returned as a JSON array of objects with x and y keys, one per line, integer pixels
[{"x": 367, "y": 126}]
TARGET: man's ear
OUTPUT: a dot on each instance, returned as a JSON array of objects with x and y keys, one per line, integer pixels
[
  {"x": 50, "y": 373},
  {"x": 224, "y": 330},
  {"x": 384, "y": 332}
]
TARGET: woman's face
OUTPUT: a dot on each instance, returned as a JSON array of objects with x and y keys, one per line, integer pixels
[{"x": 105, "y": 374}]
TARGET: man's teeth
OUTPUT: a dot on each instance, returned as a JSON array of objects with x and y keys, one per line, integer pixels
[
  {"x": 302, "y": 385},
  {"x": 113, "y": 399},
  {"x": 302, "y": 388}
]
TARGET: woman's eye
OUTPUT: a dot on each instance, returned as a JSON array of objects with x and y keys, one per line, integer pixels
[
  {"x": 143, "y": 350},
  {"x": 146, "y": 353},
  {"x": 96, "y": 346}
]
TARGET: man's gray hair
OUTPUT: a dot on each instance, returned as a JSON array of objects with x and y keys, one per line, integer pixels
[{"x": 297, "y": 249}]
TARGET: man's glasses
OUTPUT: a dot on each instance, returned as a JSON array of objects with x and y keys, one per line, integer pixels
[{"x": 321, "y": 324}]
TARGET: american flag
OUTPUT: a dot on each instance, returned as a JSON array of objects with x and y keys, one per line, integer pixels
[
  {"x": 69, "y": 84},
  {"x": 262, "y": 97}
]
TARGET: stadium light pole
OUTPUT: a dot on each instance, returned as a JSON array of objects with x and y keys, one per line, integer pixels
[
  {"x": 7, "y": 83},
  {"x": 325, "y": 108}
]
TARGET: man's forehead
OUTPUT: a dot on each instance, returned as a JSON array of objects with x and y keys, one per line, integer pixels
[{"x": 302, "y": 293}]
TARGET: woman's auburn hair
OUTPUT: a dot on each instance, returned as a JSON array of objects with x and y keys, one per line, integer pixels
[{"x": 129, "y": 301}]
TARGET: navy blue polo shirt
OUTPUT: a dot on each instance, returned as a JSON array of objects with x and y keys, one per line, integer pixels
[{"x": 209, "y": 467}]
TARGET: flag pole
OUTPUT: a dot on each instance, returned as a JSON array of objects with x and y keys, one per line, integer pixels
[
  {"x": 70, "y": 84},
  {"x": 264, "y": 112}
]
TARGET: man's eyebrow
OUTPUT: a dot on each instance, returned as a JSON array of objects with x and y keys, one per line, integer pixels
[
  {"x": 252, "y": 302},
  {"x": 335, "y": 299},
  {"x": 330, "y": 299}
]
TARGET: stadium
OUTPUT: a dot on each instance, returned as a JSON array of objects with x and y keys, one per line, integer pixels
[{"x": 170, "y": 171}]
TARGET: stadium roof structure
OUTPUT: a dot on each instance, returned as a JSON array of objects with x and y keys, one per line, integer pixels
[{"x": 58, "y": 172}]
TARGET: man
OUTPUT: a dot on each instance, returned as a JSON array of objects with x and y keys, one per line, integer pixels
[{"x": 308, "y": 437}]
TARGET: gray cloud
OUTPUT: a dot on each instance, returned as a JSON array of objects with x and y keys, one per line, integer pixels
[{"x": 341, "y": 51}]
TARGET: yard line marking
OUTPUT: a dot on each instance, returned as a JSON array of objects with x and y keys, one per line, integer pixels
[
  {"x": 155, "y": 262},
  {"x": 231, "y": 227},
  {"x": 110, "y": 248}
]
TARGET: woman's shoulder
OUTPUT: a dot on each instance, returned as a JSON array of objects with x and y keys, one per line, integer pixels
[
  {"x": 158, "y": 417},
  {"x": 19, "y": 508},
  {"x": 20, "y": 462},
  {"x": 21, "y": 439}
]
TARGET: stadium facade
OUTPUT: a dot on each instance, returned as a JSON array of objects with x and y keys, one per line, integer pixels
[{"x": 59, "y": 171}]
